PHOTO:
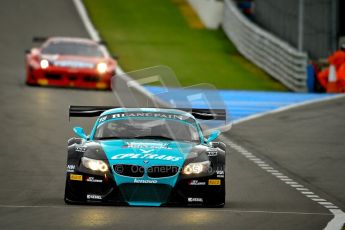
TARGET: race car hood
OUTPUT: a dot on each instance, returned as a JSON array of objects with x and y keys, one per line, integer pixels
[
  {"x": 146, "y": 153},
  {"x": 150, "y": 151},
  {"x": 144, "y": 190}
]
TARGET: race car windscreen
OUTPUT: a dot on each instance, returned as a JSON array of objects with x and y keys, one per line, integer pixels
[
  {"x": 73, "y": 48},
  {"x": 155, "y": 129}
]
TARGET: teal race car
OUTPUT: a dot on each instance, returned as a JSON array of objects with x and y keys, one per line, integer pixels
[{"x": 145, "y": 157}]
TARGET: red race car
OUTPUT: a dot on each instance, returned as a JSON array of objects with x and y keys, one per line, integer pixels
[{"x": 69, "y": 62}]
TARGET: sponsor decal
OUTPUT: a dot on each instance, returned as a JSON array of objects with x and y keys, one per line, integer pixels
[
  {"x": 93, "y": 197},
  {"x": 214, "y": 182},
  {"x": 220, "y": 174},
  {"x": 73, "y": 64},
  {"x": 196, "y": 182},
  {"x": 145, "y": 156},
  {"x": 70, "y": 168},
  {"x": 212, "y": 153},
  {"x": 75, "y": 177},
  {"x": 140, "y": 114},
  {"x": 94, "y": 180},
  {"x": 146, "y": 151},
  {"x": 80, "y": 149},
  {"x": 195, "y": 199},
  {"x": 103, "y": 118},
  {"x": 146, "y": 114},
  {"x": 150, "y": 146},
  {"x": 140, "y": 181}
]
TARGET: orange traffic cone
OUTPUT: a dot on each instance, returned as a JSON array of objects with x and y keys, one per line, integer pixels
[{"x": 332, "y": 86}]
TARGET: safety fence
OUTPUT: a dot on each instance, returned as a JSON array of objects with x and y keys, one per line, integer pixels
[{"x": 276, "y": 57}]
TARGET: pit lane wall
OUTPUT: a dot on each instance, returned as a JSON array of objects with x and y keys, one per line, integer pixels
[{"x": 282, "y": 61}]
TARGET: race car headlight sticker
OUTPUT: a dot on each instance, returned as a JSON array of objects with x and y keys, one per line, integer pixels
[
  {"x": 95, "y": 165},
  {"x": 44, "y": 63},
  {"x": 196, "y": 168},
  {"x": 102, "y": 67}
]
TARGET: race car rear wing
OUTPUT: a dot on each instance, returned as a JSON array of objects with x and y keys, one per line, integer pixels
[
  {"x": 39, "y": 39},
  {"x": 93, "y": 111}
]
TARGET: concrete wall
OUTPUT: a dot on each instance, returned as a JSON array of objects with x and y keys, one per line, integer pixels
[{"x": 209, "y": 11}]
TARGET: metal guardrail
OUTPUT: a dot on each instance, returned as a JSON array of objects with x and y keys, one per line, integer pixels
[{"x": 276, "y": 57}]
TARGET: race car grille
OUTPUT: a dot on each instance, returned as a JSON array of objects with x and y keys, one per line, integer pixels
[
  {"x": 53, "y": 76},
  {"x": 91, "y": 78},
  {"x": 145, "y": 192},
  {"x": 129, "y": 170},
  {"x": 72, "y": 78},
  {"x": 162, "y": 171}
]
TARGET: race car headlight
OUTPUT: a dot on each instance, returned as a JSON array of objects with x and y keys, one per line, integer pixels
[
  {"x": 95, "y": 165},
  {"x": 102, "y": 67},
  {"x": 196, "y": 168},
  {"x": 44, "y": 63}
]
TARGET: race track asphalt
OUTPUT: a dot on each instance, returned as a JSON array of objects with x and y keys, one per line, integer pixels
[{"x": 305, "y": 143}]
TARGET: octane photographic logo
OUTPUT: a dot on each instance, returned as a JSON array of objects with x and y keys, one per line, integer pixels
[{"x": 119, "y": 169}]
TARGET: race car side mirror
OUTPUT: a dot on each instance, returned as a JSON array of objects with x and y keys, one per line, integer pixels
[
  {"x": 213, "y": 136},
  {"x": 79, "y": 131}
]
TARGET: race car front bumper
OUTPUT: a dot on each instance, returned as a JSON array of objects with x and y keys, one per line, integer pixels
[
  {"x": 102, "y": 189},
  {"x": 67, "y": 77}
]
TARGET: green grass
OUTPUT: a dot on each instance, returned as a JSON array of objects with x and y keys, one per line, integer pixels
[{"x": 145, "y": 33}]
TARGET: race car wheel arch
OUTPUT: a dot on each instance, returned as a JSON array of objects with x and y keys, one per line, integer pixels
[
  {"x": 74, "y": 140},
  {"x": 220, "y": 145}
]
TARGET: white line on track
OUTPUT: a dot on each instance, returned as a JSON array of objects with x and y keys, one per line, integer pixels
[
  {"x": 166, "y": 209},
  {"x": 339, "y": 216}
]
